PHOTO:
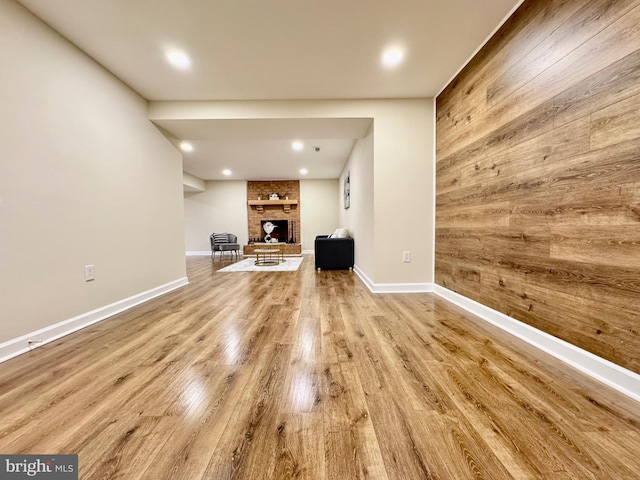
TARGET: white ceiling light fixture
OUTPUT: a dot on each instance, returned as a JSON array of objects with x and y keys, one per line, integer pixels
[
  {"x": 178, "y": 59},
  {"x": 392, "y": 57},
  {"x": 297, "y": 146},
  {"x": 226, "y": 172},
  {"x": 186, "y": 147},
  {"x": 303, "y": 171}
]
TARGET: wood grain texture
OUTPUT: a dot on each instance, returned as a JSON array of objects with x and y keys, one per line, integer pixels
[
  {"x": 464, "y": 100},
  {"x": 579, "y": 28},
  {"x": 537, "y": 197},
  {"x": 307, "y": 375}
]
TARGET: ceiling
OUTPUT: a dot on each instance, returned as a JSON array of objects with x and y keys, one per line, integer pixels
[
  {"x": 261, "y": 149},
  {"x": 274, "y": 50}
]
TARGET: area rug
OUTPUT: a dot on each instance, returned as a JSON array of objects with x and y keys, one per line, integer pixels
[{"x": 290, "y": 264}]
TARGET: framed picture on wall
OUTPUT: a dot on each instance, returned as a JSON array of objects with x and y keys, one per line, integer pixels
[{"x": 347, "y": 190}]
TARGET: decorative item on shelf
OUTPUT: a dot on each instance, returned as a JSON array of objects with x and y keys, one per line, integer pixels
[
  {"x": 259, "y": 197},
  {"x": 274, "y": 196}
]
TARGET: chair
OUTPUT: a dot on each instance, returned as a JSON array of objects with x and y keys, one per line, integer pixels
[
  {"x": 334, "y": 253},
  {"x": 224, "y": 242}
]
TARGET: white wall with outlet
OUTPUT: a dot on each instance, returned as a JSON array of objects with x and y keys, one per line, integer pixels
[
  {"x": 104, "y": 186},
  {"x": 399, "y": 166}
]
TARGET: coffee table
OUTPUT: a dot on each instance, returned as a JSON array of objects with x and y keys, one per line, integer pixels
[{"x": 272, "y": 255}]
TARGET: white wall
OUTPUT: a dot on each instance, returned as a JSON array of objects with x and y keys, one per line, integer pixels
[
  {"x": 222, "y": 207},
  {"x": 403, "y": 191},
  {"x": 85, "y": 178},
  {"x": 319, "y": 206},
  {"x": 358, "y": 218},
  {"x": 402, "y": 171}
]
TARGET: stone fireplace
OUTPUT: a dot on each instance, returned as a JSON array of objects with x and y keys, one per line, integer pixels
[{"x": 276, "y": 202}]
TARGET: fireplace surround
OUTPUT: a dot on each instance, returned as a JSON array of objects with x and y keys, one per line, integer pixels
[
  {"x": 279, "y": 234},
  {"x": 283, "y": 213}
]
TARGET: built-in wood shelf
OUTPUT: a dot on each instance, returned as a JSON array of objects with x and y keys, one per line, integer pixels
[{"x": 260, "y": 204}]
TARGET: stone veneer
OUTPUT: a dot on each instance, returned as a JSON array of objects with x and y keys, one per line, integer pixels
[{"x": 257, "y": 190}]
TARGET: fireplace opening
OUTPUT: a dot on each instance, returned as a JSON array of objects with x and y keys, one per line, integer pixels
[{"x": 274, "y": 231}]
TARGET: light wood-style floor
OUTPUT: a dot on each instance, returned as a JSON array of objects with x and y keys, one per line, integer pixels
[{"x": 308, "y": 375}]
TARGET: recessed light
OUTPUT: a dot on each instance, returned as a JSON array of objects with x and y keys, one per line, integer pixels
[
  {"x": 297, "y": 146},
  {"x": 186, "y": 147},
  {"x": 178, "y": 59},
  {"x": 392, "y": 57},
  {"x": 226, "y": 172},
  {"x": 303, "y": 171}
]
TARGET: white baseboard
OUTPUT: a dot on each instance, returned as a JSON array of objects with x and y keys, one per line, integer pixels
[
  {"x": 20, "y": 345},
  {"x": 308, "y": 252},
  {"x": 393, "y": 287},
  {"x": 615, "y": 376}
]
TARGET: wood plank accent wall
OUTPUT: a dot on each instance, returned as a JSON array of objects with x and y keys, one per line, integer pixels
[{"x": 538, "y": 174}]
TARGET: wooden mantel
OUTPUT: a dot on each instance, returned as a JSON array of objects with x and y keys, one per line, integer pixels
[{"x": 260, "y": 204}]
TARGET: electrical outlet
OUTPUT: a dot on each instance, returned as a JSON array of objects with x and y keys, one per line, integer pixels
[
  {"x": 406, "y": 256},
  {"x": 89, "y": 273}
]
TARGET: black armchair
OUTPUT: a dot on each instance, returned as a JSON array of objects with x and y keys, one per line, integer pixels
[{"x": 334, "y": 253}]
